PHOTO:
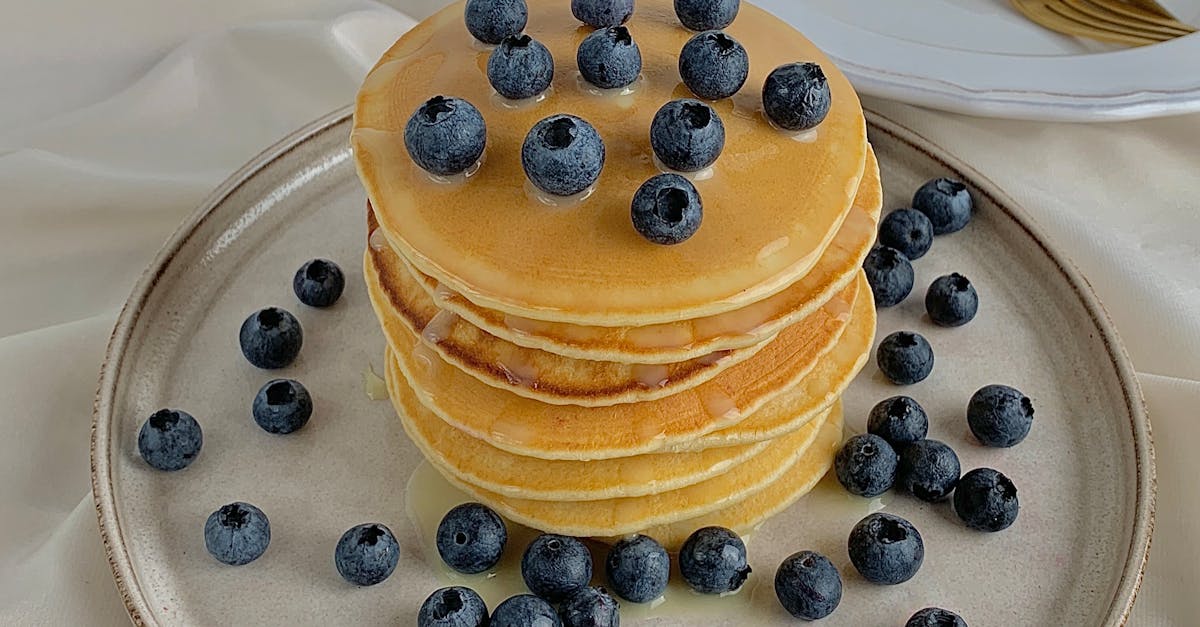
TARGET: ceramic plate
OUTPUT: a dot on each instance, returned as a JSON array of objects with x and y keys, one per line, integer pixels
[
  {"x": 1085, "y": 474},
  {"x": 984, "y": 58}
]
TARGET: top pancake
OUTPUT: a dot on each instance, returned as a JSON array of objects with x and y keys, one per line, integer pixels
[{"x": 771, "y": 207}]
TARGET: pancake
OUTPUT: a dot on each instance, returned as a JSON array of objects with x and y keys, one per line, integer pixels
[
  {"x": 614, "y": 517},
  {"x": 691, "y": 339},
  {"x": 527, "y": 427},
  {"x": 478, "y": 463},
  {"x": 772, "y": 204},
  {"x": 746, "y": 515},
  {"x": 815, "y": 393},
  {"x": 552, "y": 378}
]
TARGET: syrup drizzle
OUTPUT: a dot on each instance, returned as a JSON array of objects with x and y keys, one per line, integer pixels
[{"x": 651, "y": 376}]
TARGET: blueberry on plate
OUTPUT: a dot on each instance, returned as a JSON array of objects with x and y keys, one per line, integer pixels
[
  {"x": 900, "y": 420},
  {"x": 951, "y": 300},
  {"x": 282, "y": 406},
  {"x": 319, "y": 283},
  {"x": 986, "y": 500},
  {"x": 908, "y": 231},
  {"x": 455, "y": 606},
  {"x": 490, "y": 21},
  {"x": 667, "y": 209},
  {"x": 808, "y": 585},
  {"x": 687, "y": 135},
  {"x": 563, "y": 155},
  {"x": 713, "y": 560},
  {"x": 701, "y": 15},
  {"x": 714, "y": 65},
  {"x": 1000, "y": 416},
  {"x": 796, "y": 96},
  {"x": 524, "y": 610},
  {"x": 866, "y": 465},
  {"x": 237, "y": 534},
  {"x": 471, "y": 538},
  {"x": 590, "y": 607},
  {"x": 445, "y": 136},
  {"x": 890, "y": 275},
  {"x": 946, "y": 202},
  {"x": 170, "y": 439},
  {"x": 638, "y": 568},
  {"x": 609, "y": 58},
  {"x": 935, "y": 617},
  {"x": 367, "y": 554},
  {"x": 271, "y": 338},
  {"x": 554, "y": 567},
  {"x": 602, "y": 13},
  {"x": 520, "y": 67},
  {"x": 928, "y": 470},
  {"x": 905, "y": 358},
  {"x": 886, "y": 549}
]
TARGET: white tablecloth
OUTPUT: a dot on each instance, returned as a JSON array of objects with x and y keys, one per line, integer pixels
[{"x": 118, "y": 117}]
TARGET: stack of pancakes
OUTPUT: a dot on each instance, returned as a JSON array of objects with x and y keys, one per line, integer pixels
[{"x": 577, "y": 378}]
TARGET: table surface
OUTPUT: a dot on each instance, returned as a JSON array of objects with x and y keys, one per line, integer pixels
[{"x": 117, "y": 118}]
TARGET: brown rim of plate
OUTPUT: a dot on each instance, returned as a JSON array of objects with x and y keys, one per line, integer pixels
[{"x": 104, "y": 498}]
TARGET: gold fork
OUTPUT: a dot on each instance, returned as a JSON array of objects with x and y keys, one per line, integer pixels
[
  {"x": 1153, "y": 7},
  {"x": 1104, "y": 20}
]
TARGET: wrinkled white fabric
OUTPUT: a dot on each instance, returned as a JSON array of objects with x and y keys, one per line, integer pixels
[{"x": 118, "y": 117}]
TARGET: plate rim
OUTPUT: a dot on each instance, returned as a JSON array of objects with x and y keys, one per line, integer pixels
[
  {"x": 101, "y": 451},
  {"x": 886, "y": 74}
]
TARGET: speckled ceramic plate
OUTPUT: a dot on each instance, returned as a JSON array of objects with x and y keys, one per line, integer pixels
[{"x": 1085, "y": 474}]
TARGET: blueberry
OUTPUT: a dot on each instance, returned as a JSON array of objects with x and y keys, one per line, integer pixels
[
  {"x": 667, "y": 209},
  {"x": 890, "y": 275},
  {"x": 271, "y": 338},
  {"x": 555, "y": 567},
  {"x": 908, "y": 231},
  {"x": 986, "y": 500},
  {"x": 1000, "y": 416},
  {"x": 602, "y": 13},
  {"x": 282, "y": 406},
  {"x": 905, "y": 358},
  {"x": 796, "y": 96},
  {"x": 490, "y": 21},
  {"x": 170, "y": 439},
  {"x": 563, "y": 155},
  {"x": 808, "y": 585},
  {"x": 713, "y": 560},
  {"x": 928, "y": 470},
  {"x": 609, "y": 58},
  {"x": 471, "y": 538},
  {"x": 524, "y": 610},
  {"x": 445, "y": 136},
  {"x": 946, "y": 202},
  {"x": 714, "y": 65},
  {"x": 706, "y": 14},
  {"x": 638, "y": 568},
  {"x": 590, "y": 607},
  {"x": 935, "y": 617},
  {"x": 886, "y": 549},
  {"x": 866, "y": 465},
  {"x": 319, "y": 283},
  {"x": 455, "y": 606},
  {"x": 951, "y": 300},
  {"x": 900, "y": 420},
  {"x": 367, "y": 554},
  {"x": 237, "y": 534},
  {"x": 520, "y": 67},
  {"x": 687, "y": 135}
]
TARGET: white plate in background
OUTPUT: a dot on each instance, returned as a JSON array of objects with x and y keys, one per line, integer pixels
[{"x": 982, "y": 57}]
